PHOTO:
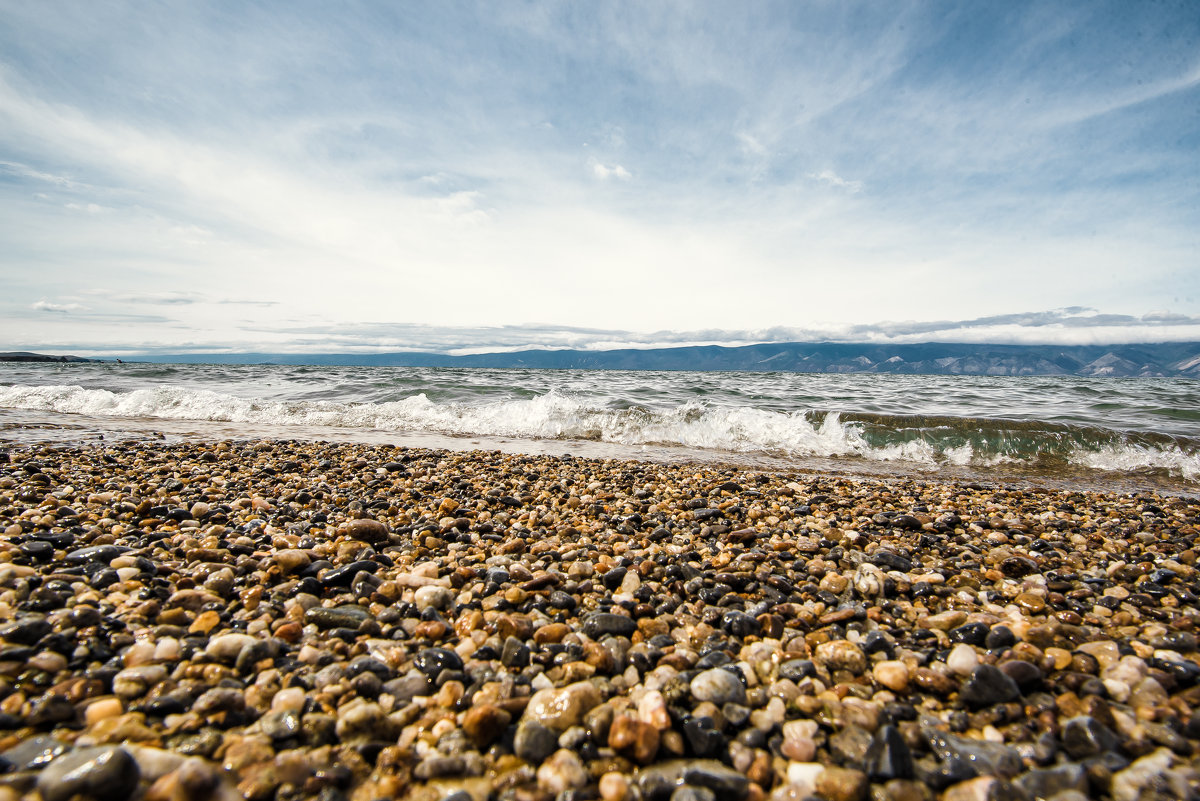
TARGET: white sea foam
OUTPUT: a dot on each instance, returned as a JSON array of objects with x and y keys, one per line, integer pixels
[
  {"x": 1133, "y": 458},
  {"x": 562, "y": 416}
]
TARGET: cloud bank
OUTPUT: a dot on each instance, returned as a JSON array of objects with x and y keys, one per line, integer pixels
[{"x": 300, "y": 176}]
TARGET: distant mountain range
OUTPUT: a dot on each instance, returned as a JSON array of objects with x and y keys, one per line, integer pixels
[
  {"x": 1162, "y": 359},
  {"x": 25, "y": 356}
]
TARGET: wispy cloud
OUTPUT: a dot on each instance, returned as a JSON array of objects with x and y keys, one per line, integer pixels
[
  {"x": 833, "y": 179},
  {"x": 616, "y": 171},
  {"x": 613, "y": 168},
  {"x": 55, "y": 308},
  {"x": 1071, "y": 326}
]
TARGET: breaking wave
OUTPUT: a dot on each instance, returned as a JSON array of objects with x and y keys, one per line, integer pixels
[{"x": 922, "y": 441}]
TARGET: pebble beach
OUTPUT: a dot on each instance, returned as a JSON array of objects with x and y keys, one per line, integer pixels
[{"x": 308, "y": 620}]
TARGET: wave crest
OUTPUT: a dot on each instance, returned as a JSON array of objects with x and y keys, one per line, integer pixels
[{"x": 925, "y": 443}]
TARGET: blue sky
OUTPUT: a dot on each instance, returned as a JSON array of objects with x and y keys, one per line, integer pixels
[{"x": 277, "y": 176}]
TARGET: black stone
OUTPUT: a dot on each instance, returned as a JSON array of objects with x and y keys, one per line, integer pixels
[
  {"x": 891, "y": 561},
  {"x": 971, "y": 634},
  {"x": 889, "y": 757},
  {"x": 349, "y": 617},
  {"x": 432, "y": 661},
  {"x": 342, "y": 576},
  {"x": 1084, "y": 736},
  {"x": 103, "y": 773},
  {"x": 704, "y": 739},
  {"x": 740, "y": 624},
  {"x": 515, "y": 653},
  {"x": 988, "y": 685},
  {"x": 25, "y": 630},
  {"x": 95, "y": 553},
  {"x": 613, "y": 578},
  {"x": 534, "y": 742},
  {"x": 600, "y": 624},
  {"x": 877, "y": 642},
  {"x": 1000, "y": 637},
  {"x": 797, "y": 669},
  {"x": 37, "y": 550},
  {"x": 1026, "y": 674}
]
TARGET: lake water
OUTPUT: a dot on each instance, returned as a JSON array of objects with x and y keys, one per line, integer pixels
[{"x": 1132, "y": 433}]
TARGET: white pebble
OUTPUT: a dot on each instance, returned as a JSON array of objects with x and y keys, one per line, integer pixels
[{"x": 962, "y": 659}]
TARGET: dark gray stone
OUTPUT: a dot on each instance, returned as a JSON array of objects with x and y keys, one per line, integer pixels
[
  {"x": 515, "y": 653},
  {"x": 659, "y": 782},
  {"x": 850, "y": 745},
  {"x": 534, "y": 742},
  {"x": 1084, "y": 736},
  {"x": 889, "y": 757},
  {"x": 602, "y": 624},
  {"x": 1048, "y": 782},
  {"x": 989, "y": 685},
  {"x": 977, "y": 757},
  {"x": 104, "y": 773},
  {"x": 34, "y": 753},
  {"x": 407, "y": 687},
  {"x": 432, "y": 661},
  {"x": 704, "y": 739},
  {"x": 348, "y": 617},
  {"x": 281, "y": 724}
]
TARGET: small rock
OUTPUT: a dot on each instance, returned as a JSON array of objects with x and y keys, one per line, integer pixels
[
  {"x": 891, "y": 674},
  {"x": 962, "y": 659},
  {"x": 989, "y": 685},
  {"x": 598, "y": 625},
  {"x": 104, "y": 773},
  {"x": 889, "y": 757},
  {"x": 842, "y": 655},
  {"x": 842, "y": 784},
  {"x": 983, "y": 788},
  {"x": 364, "y": 530},
  {"x": 561, "y": 772},
  {"x": 1084, "y": 736},
  {"x": 718, "y": 686},
  {"x": 559, "y": 709},
  {"x": 1048, "y": 782},
  {"x": 534, "y": 742},
  {"x": 484, "y": 723}
]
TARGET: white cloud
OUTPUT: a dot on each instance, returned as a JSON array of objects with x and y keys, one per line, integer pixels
[
  {"x": 751, "y": 145},
  {"x": 833, "y": 179},
  {"x": 616, "y": 171},
  {"x": 291, "y": 163},
  {"x": 56, "y": 308}
]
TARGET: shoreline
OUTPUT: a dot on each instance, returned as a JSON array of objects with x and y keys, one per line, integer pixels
[
  {"x": 16, "y": 426},
  {"x": 274, "y": 618}
]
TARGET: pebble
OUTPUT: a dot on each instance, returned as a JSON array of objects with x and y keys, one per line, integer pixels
[
  {"x": 892, "y": 674},
  {"x": 842, "y": 784},
  {"x": 104, "y": 773},
  {"x": 989, "y": 685},
  {"x": 561, "y": 772},
  {"x": 718, "y": 686},
  {"x": 290, "y": 619}
]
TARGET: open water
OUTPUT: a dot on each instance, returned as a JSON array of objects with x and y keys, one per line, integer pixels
[{"x": 1122, "y": 432}]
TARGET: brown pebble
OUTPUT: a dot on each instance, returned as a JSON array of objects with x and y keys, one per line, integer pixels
[
  {"x": 633, "y": 738},
  {"x": 484, "y": 723}
]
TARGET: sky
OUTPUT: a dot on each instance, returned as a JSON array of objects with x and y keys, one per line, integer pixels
[{"x": 291, "y": 176}]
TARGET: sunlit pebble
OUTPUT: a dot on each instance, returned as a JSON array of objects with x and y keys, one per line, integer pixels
[
  {"x": 962, "y": 659},
  {"x": 614, "y": 787},
  {"x": 1021, "y": 603}
]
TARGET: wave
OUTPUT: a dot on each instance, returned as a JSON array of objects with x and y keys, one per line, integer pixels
[{"x": 921, "y": 441}]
